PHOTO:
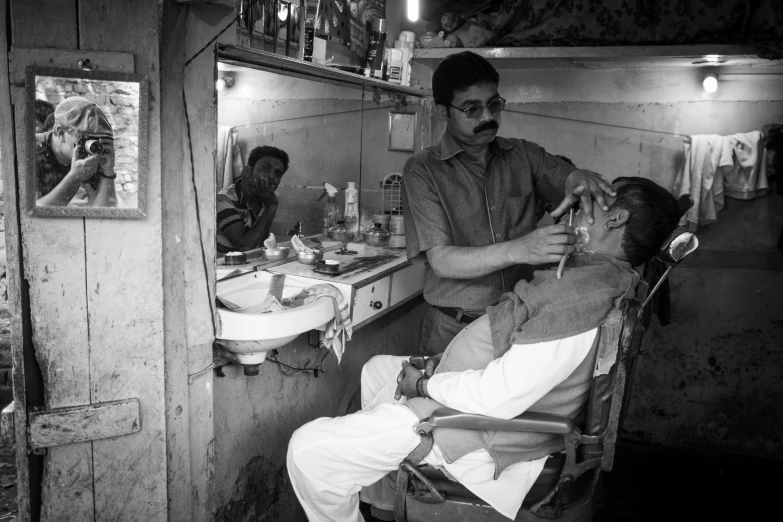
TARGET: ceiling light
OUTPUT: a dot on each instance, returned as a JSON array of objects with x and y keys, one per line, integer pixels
[
  {"x": 712, "y": 58},
  {"x": 224, "y": 82},
  {"x": 413, "y": 10},
  {"x": 282, "y": 11},
  {"x": 710, "y": 83}
]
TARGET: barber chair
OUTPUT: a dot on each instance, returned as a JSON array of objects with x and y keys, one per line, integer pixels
[{"x": 570, "y": 484}]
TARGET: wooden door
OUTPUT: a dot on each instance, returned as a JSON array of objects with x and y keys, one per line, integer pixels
[{"x": 85, "y": 294}]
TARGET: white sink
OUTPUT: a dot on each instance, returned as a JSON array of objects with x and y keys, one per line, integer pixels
[{"x": 247, "y": 338}]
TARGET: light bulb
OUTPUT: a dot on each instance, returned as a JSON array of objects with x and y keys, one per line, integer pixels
[
  {"x": 710, "y": 83},
  {"x": 413, "y": 10},
  {"x": 224, "y": 82}
]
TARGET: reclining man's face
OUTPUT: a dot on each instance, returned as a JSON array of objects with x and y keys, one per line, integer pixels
[{"x": 589, "y": 236}]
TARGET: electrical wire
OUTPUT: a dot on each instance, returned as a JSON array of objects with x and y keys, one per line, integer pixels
[{"x": 290, "y": 371}]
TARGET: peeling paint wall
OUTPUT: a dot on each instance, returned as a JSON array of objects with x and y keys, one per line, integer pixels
[
  {"x": 711, "y": 379},
  {"x": 255, "y": 416}
]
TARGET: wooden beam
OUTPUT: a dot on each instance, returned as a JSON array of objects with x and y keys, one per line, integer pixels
[
  {"x": 61, "y": 426},
  {"x": 44, "y": 23},
  {"x": 66, "y": 59},
  {"x": 13, "y": 262},
  {"x": 125, "y": 290},
  {"x": 7, "y": 436},
  {"x": 228, "y": 5}
]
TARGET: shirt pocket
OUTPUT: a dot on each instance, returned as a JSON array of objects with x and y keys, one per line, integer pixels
[{"x": 519, "y": 215}]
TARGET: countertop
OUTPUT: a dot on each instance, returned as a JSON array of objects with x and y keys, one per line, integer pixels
[{"x": 369, "y": 264}]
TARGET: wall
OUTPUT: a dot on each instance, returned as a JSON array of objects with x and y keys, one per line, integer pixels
[
  {"x": 710, "y": 380},
  {"x": 255, "y": 416}
]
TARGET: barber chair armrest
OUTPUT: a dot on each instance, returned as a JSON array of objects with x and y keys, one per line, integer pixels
[{"x": 527, "y": 422}]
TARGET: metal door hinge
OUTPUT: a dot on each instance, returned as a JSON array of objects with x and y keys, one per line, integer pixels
[{"x": 73, "y": 424}]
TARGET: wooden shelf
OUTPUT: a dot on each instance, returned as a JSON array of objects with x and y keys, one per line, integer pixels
[
  {"x": 270, "y": 62},
  {"x": 613, "y": 57}
]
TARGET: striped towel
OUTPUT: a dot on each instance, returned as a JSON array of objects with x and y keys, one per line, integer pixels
[{"x": 338, "y": 330}]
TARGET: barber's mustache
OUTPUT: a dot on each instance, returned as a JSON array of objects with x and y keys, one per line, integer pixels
[{"x": 486, "y": 125}]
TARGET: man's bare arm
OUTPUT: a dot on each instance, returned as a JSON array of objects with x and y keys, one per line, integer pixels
[{"x": 543, "y": 245}]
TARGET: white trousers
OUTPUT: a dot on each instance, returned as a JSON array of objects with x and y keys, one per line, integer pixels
[{"x": 331, "y": 459}]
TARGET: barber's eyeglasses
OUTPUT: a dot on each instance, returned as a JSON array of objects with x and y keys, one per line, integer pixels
[{"x": 475, "y": 111}]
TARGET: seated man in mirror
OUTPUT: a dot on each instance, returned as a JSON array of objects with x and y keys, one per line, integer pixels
[
  {"x": 246, "y": 209},
  {"x": 535, "y": 350},
  {"x": 74, "y": 162}
]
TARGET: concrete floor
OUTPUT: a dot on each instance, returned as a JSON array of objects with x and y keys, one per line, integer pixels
[
  {"x": 652, "y": 484},
  {"x": 656, "y": 484}
]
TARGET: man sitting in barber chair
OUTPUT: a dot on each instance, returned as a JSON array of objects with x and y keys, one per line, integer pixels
[{"x": 535, "y": 350}]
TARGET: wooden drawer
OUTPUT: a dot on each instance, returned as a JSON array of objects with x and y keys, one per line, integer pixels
[
  {"x": 406, "y": 282},
  {"x": 370, "y": 300}
]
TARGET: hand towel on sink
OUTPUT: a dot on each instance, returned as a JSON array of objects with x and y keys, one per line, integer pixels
[
  {"x": 338, "y": 330},
  {"x": 269, "y": 304}
]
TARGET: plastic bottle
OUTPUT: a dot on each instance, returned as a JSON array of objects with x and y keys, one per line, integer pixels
[
  {"x": 352, "y": 209},
  {"x": 395, "y": 65},
  {"x": 311, "y": 15},
  {"x": 406, "y": 44},
  {"x": 331, "y": 211}
]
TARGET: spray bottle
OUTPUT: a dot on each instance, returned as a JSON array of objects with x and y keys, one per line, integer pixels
[
  {"x": 331, "y": 211},
  {"x": 352, "y": 209}
]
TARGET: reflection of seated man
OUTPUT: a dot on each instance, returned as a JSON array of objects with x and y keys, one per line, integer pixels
[
  {"x": 535, "y": 350},
  {"x": 246, "y": 209},
  {"x": 65, "y": 173}
]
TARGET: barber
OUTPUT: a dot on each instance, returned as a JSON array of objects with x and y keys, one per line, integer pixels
[
  {"x": 470, "y": 202},
  {"x": 66, "y": 173}
]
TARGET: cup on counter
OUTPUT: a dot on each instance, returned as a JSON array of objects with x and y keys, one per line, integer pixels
[
  {"x": 383, "y": 219},
  {"x": 397, "y": 225}
]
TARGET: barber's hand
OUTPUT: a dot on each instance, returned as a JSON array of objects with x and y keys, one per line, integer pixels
[
  {"x": 431, "y": 364},
  {"x": 406, "y": 381},
  {"x": 544, "y": 245},
  {"x": 83, "y": 169},
  {"x": 585, "y": 185}
]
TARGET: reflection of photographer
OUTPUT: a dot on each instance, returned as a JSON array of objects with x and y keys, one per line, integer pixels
[{"x": 74, "y": 162}]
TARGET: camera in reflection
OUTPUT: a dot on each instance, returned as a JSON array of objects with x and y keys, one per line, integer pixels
[{"x": 90, "y": 146}]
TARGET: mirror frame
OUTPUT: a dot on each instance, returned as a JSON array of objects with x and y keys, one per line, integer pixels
[{"x": 30, "y": 206}]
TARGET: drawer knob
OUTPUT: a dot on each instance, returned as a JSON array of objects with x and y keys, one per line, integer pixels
[{"x": 377, "y": 305}]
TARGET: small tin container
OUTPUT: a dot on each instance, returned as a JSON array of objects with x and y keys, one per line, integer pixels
[
  {"x": 277, "y": 254},
  {"x": 327, "y": 266},
  {"x": 377, "y": 236},
  {"x": 397, "y": 225},
  {"x": 311, "y": 258},
  {"x": 235, "y": 258}
]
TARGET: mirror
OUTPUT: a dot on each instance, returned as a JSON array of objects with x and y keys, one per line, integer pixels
[
  {"x": 331, "y": 132},
  {"x": 87, "y": 143}
]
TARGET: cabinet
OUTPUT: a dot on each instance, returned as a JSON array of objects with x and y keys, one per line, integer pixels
[{"x": 371, "y": 300}]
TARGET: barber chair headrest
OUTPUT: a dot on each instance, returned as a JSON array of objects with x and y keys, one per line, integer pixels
[
  {"x": 684, "y": 203},
  {"x": 677, "y": 245}
]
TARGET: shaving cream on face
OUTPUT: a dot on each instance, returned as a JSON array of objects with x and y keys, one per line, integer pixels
[{"x": 582, "y": 238}]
